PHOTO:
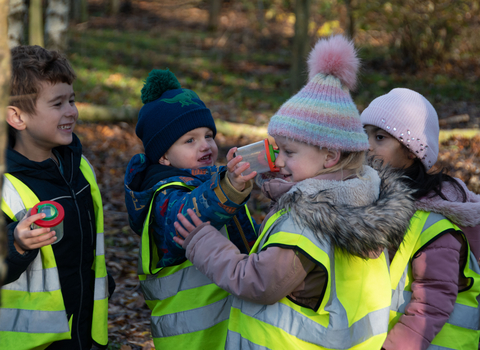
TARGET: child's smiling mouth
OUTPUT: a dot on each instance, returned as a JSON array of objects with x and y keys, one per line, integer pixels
[
  {"x": 206, "y": 158},
  {"x": 65, "y": 126}
]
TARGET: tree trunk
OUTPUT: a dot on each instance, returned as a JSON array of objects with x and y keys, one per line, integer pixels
[
  {"x": 351, "y": 19},
  {"x": 16, "y": 22},
  {"x": 114, "y": 7},
  {"x": 298, "y": 72},
  {"x": 56, "y": 24},
  {"x": 214, "y": 14},
  {"x": 4, "y": 95},
  {"x": 79, "y": 11},
  {"x": 35, "y": 23}
]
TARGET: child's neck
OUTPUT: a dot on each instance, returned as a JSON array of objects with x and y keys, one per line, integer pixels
[{"x": 33, "y": 153}]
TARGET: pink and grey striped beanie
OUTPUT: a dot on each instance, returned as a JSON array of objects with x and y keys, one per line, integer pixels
[
  {"x": 410, "y": 118},
  {"x": 323, "y": 113}
]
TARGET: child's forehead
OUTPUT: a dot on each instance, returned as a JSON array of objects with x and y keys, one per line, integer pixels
[{"x": 50, "y": 91}]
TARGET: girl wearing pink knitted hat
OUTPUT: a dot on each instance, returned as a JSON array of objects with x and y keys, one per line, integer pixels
[
  {"x": 317, "y": 278},
  {"x": 435, "y": 275}
]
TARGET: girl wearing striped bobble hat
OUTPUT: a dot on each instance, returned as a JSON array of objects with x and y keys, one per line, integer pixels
[
  {"x": 435, "y": 275},
  {"x": 317, "y": 278}
]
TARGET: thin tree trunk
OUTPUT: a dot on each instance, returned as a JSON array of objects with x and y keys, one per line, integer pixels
[
  {"x": 214, "y": 14},
  {"x": 56, "y": 24},
  {"x": 298, "y": 72},
  {"x": 35, "y": 23},
  {"x": 4, "y": 95},
  {"x": 16, "y": 22},
  {"x": 351, "y": 19},
  {"x": 114, "y": 7},
  {"x": 78, "y": 11}
]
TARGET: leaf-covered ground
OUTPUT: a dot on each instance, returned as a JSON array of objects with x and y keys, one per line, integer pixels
[{"x": 110, "y": 147}]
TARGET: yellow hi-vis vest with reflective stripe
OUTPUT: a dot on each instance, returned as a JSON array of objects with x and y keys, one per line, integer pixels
[
  {"x": 461, "y": 330},
  {"x": 33, "y": 314},
  {"x": 352, "y": 312},
  {"x": 188, "y": 310}
]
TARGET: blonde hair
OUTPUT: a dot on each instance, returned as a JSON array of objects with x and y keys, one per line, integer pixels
[{"x": 348, "y": 161}]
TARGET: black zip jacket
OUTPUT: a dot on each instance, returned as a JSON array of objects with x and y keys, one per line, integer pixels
[{"x": 74, "y": 254}]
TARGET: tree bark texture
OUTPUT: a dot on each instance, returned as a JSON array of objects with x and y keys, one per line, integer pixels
[
  {"x": 214, "y": 8},
  {"x": 5, "y": 72},
  {"x": 114, "y": 7},
  {"x": 298, "y": 72},
  {"x": 56, "y": 24},
  {"x": 35, "y": 23},
  {"x": 17, "y": 17}
]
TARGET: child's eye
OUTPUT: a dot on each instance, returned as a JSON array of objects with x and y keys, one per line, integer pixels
[
  {"x": 58, "y": 104},
  {"x": 189, "y": 140},
  {"x": 209, "y": 136},
  {"x": 379, "y": 137},
  {"x": 72, "y": 102}
]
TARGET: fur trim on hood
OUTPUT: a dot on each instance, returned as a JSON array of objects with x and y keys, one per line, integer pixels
[{"x": 349, "y": 214}]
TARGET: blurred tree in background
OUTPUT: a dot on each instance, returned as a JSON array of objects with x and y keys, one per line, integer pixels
[
  {"x": 422, "y": 32},
  {"x": 4, "y": 95}
]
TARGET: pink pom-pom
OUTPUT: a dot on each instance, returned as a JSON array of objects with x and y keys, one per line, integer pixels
[{"x": 335, "y": 56}]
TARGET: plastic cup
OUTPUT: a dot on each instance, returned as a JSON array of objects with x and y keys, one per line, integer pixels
[
  {"x": 260, "y": 155},
  {"x": 54, "y": 215}
]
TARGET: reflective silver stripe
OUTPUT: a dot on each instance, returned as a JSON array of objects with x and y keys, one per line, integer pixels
[
  {"x": 235, "y": 341},
  {"x": 36, "y": 279},
  {"x": 12, "y": 199},
  {"x": 462, "y": 315},
  {"x": 398, "y": 295},
  {"x": 191, "y": 320},
  {"x": 432, "y": 219},
  {"x": 437, "y": 347},
  {"x": 100, "y": 248},
  {"x": 289, "y": 320},
  {"x": 33, "y": 321},
  {"x": 160, "y": 288},
  {"x": 101, "y": 288}
]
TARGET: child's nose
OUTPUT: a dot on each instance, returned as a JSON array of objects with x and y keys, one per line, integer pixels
[
  {"x": 204, "y": 145},
  {"x": 279, "y": 163}
]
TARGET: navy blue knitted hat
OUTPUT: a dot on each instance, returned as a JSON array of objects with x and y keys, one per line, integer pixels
[{"x": 168, "y": 113}]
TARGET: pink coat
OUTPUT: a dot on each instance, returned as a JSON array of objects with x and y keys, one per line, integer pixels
[{"x": 436, "y": 272}]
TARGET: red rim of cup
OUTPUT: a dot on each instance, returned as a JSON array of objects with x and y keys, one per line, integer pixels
[{"x": 49, "y": 223}]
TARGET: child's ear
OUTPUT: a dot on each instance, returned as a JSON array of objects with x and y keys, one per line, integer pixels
[
  {"x": 15, "y": 118},
  {"x": 164, "y": 160},
  {"x": 332, "y": 158}
]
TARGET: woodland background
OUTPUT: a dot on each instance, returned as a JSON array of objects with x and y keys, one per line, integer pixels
[{"x": 244, "y": 58}]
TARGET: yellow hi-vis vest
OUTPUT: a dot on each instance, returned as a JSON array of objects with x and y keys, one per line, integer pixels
[
  {"x": 33, "y": 314},
  {"x": 352, "y": 312},
  {"x": 188, "y": 310},
  {"x": 461, "y": 330}
]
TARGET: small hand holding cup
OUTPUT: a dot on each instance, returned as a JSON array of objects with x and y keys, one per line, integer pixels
[
  {"x": 187, "y": 227},
  {"x": 27, "y": 239},
  {"x": 235, "y": 170}
]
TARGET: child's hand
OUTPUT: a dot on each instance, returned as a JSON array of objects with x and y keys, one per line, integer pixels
[
  {"x": 234, "y": 170},
  {"x": 27, "y": 239},
  {"x": 189, "y": 227}
]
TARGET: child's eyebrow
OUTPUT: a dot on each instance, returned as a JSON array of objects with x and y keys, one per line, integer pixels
[{"x": 60, "y": 96}]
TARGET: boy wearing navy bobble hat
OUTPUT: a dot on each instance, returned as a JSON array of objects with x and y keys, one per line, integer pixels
[{"x": 176, "y": 173}]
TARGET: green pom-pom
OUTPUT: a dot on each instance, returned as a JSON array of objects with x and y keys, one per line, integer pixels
[{"x": 158, "y": 81}]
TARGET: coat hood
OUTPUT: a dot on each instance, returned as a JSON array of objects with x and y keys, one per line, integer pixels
[
  {"x": 359, "y": 216},
  {"x": 461, "y": 213}
]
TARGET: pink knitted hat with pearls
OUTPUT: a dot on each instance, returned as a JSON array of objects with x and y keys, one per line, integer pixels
[
  {"x": 410, "y": 118},
  {"x": 323, "y": 113}
]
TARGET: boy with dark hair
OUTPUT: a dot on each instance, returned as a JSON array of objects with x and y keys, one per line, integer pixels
[
  {"x": 176, "y": 173},
  {"x": 56, "y": 292}
]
